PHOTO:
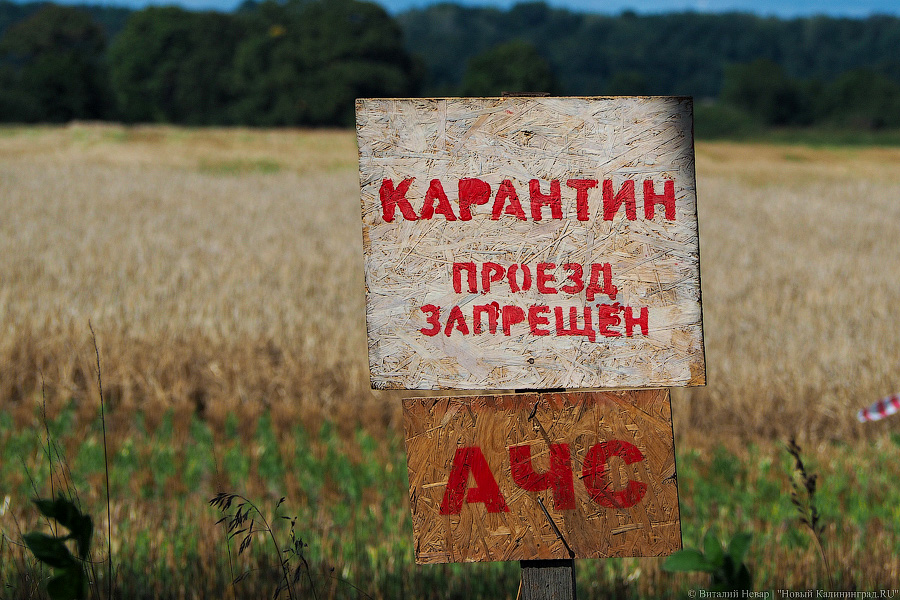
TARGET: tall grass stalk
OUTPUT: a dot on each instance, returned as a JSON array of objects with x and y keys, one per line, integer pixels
[
  {"x": 65, "y": 472},
  {"x": 109, "y": 552},
  {"x": 237, "y": 525},
  {"x": 803, "y": 497}
]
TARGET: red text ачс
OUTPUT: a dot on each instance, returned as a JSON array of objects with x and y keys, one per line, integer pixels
[{"x": 469, "y": 463}]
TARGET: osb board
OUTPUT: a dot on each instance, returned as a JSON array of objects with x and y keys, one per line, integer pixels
[
  {"x": 423, "y": 330},
  {"x": 615, "y": 496}
]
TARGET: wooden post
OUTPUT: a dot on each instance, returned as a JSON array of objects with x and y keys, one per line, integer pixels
[
  {"x": 547, "y": 579},
  {"x": 601, "y": 292}
]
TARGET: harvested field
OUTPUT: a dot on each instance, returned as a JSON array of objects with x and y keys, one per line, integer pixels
[
  {"x": 223, "y": 268},
  {"x": 222, "y": 273}
]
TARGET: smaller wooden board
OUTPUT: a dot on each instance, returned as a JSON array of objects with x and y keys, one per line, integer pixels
[{"x": 542, "y": 476}]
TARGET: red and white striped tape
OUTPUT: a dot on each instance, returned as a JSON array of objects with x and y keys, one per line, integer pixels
[{"x": 881, "y": 409}]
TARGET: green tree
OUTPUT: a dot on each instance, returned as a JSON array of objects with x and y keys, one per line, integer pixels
[
  {"x": 514, "y": 66},
  {"x": 862, "y": 98},
  {"x": 305, "y": 62},
  {"x": 172, "y": 65},
  {"x": 13, "y": 12},
  {"x": 764, "y": 90},
  {"x": 52, "y": 68},
  {"x": 627, "y": 83},
  {"x": 677, "y": 53}
]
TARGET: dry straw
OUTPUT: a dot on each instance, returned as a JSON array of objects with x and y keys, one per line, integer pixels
[{"x": 241, "y": 289}]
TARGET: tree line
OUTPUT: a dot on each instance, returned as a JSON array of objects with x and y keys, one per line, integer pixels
[
  {"x": 742, "y": 69},
  {"x": 303, "y": 62}
]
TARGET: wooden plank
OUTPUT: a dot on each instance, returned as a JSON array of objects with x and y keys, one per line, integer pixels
[
  {"x": 594, "y": 476},
  {"x": 489, "y": 223},
  {"x": 548, "y": 580}
]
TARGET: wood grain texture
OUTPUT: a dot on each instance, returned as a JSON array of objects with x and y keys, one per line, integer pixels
[
  {"x": 534, "y": 527},
  {"x": 654, "y": 263},
  {"x": 548, "y": 580}
]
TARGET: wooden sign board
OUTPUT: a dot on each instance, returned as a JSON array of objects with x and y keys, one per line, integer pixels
[
  {"x": 530, "y": 243},
  {"x": 542, "y": 476}
]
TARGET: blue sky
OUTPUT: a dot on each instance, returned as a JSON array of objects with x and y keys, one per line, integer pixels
[{"x": 781, "y": 8}]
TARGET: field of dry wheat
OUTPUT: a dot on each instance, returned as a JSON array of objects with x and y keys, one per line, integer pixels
[
  {"x": 223, "y": 268},
  {"x": 218, "y": 268},
  {"x": 222, "y": 273}
]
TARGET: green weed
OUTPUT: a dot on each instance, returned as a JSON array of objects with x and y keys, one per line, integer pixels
[
  {"x": 803, "y": 497},
  {"x": 69, "y": 581},
  {"x": 348, "y": 488},
  {"x": 725, "y": 566}
]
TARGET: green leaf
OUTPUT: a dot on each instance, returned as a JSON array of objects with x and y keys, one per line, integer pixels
[
  {"x": 687, "y": 561},
  {"x": 60, "y": 509},
  {"x": 738, "y": 547},
  {"x": 49, "y": 550},
  {"x": 712, "y": 548},
  {"x": 68, "y": 585},
  {"x": 69, "y": 516}
]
